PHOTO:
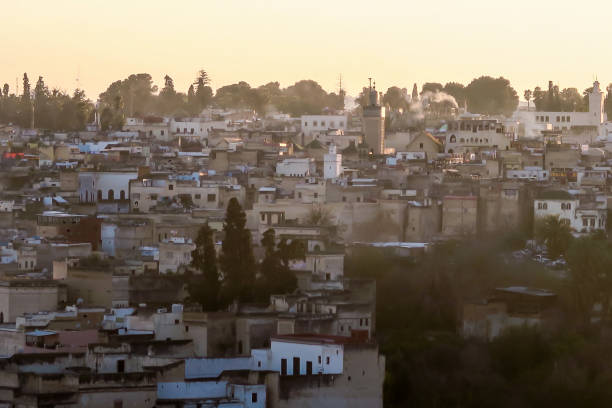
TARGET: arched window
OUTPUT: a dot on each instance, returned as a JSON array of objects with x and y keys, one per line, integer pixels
[
  {"x": 453, "y": 139},
  {"x": 99, "y": 195},
  {"x": 111, "y": 194},
  {"x": 122, "y": 195}
]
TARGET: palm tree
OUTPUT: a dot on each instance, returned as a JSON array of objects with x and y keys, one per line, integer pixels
[{"x": 527, "y": 95}]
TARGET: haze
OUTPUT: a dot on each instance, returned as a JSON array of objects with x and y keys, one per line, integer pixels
[{"x": 396, "y": 42}]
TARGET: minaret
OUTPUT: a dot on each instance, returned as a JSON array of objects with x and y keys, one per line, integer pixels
[
  {"x": 374, "y": 122},
  {"x": 596, "y": 104},
  {"x": 332, "y": 163}
]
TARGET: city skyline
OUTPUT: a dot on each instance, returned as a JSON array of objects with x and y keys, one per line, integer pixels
[{"x": 238, "y": 41}]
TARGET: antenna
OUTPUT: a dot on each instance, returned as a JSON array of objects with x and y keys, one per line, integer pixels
[
  {"x": 370, "y": 79},
  {"x": 340, "y": 85}
]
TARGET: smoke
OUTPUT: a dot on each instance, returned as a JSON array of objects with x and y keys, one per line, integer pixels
[{"x": 429, "y": 100}]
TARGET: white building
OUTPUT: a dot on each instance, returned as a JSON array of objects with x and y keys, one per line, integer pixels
[
  {"x": 535, "y": 122},
  {"x": 332, "y": 164},
  {"x": 579, "y": 217},
  {"x": 300, "y": 355},
  {"x": 95, "y": 186},
  {"x": 296, "y": 167},
  {"x": 472, "y": 133},
  {"x": 320, "y": 124}
]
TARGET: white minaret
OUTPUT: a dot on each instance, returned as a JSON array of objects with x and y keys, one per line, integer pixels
[
  {"x": 332, "y": 163},
  {"x": 596, "y": 104}
]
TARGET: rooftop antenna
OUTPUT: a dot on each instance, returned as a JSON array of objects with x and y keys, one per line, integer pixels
[{"x": 370, "y": 79}]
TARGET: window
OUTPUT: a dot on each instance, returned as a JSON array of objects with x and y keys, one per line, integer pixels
[
  {"x": 340, "y": 124},
  {"x": 187, "y": 329},
  {"x": 327, "y": 360},
  {"x": 343, "y": 199},
  {"x": 316, "y": 195},
  {"x": 367, "y": 321},
  {"x": 162, "y": 132},
  {"x": 305, "y": 124},
  {"x": 153, "y": 196},
  {"x": 211, "y": 197},
  {"x": 198, "y": 196},
  {"x": 558, "y": 118},
  {"x": 299, "y": 194},
  {"x": 120, "y": 366},
  {"x": 360, "y": 322},
  {"x": 322, "y": 123},
  {"x": 547, "y": 119},
  {"x": 184, "y": 130},
  {"x": 254, "y": 397},
  {"x": 176, "y": 321},
  {"x": 585, "y": 222},
  {"x": 192, "y": 130},
  {"x": 453, "y": 139},
  {"x": 421, "y": 145},
  {"x": 314, "y": 123},
  {"x": 118, "y": 403},
  {"x": 171, "y": 187},
  {"x": 319, "y": 359},
  {"x": 263, "y": 217}
]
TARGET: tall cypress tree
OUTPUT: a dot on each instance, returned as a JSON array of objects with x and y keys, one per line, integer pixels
[
  {"x": 276, "y": 275},
  {"x": 205, "y": 287},
  {"x": 25, "y": 116},
  {"x": 237, "y": 260}
]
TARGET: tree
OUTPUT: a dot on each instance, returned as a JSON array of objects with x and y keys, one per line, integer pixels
[
  {"x": 590, "y": 264},
  {"x": 491, "y": 96},
  {"x": 236, "y": 259},
  {"x": 276, "y": 275},
  {"x": 555, "y": 234},
  {"x": 527, "y": 96},
  {"x": 25, "y": 109},
  {"x": 571, "y": 101},
  {"x": 395, "y": 99},
  {"x": 432, "y": 87},
  {"x": 169, "y": 100},
  {"x": 136, "y": 93},
  {"x": 205, "y": 287},
  {"x": 41, "y": 101},
  {"x": 204, "y": 93},
  {"x": 457, "y": 91}
]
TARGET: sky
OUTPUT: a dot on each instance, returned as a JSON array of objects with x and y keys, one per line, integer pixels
[{"x": 395, "y": 42}]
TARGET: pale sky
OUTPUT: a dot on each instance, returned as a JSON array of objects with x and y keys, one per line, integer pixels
[{"x": 395, "y": 42}]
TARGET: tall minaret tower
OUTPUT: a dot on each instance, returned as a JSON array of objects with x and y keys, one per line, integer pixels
[
  {"x": 596, "y": 104},
  {"x": 374, "y": 122}
]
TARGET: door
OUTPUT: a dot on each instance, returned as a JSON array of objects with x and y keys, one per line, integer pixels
[
  {"x": 296, "y": 366},
  {"x": 309, "y": 368},
  {"x": 283, "y": 366}
]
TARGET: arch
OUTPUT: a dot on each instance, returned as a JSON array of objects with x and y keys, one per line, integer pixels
[
  {"x": 122, "y": 195},
  {"x": 111, "y": 194},
  {"x": 99, "y": 195},
  {"x": 453, "y": 139}
]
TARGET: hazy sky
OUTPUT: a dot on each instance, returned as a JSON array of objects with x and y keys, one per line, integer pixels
[{"x": 395, "y": 42}]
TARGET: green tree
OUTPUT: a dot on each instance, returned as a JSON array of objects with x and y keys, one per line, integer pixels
[
  {"x": 41, "y": 101},
  {"x": 137, "y": 93},
  {"x": 25, "y": 109},
  {"x": 204, "y": 288},
  {"x": 204, "y": 93},
  {"x": 276, "y": 275},
  {"x": 590, "y": 264},
  {"x": 237, "y": 260},
  {"x": 527, "y": 96},
  {"x": 395, "y": 99},
  {"x": 457, "y": 91},
  {"x": 432, "y": 87},
  {"x": 555, "y": 233},
  {"x": 491, "y": 96}
]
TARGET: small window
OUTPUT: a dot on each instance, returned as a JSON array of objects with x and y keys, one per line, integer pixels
[
  {"x": 198, "y": 196},
  {"x": 211, "y": 197},
  {"x": 171, "y": 187},
  {"x": 176, "y": 321},
  {"x": 187, "y": 329},
  {"x": 421, "y": 145},
  {"x": 327, "y": 360},
  {"x": 254, "y": 397},
  {"x": 319, "y": 359},
  {"x": 316, "y": 195},
  {"x": 162, "y": 132}
]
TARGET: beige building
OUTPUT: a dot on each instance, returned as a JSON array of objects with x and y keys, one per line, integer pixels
[
  {"x": 26, "y": 296},
  {"x": 174, "y": 253},
  {"x": 459, "y": 215}
]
